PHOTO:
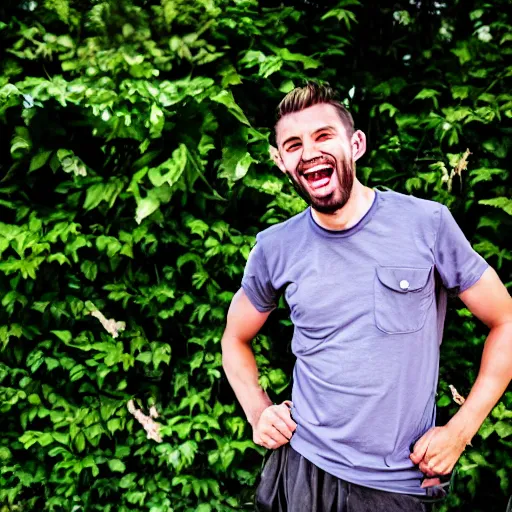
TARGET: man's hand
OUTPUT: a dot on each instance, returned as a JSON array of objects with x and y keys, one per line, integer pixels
[
  {"x": 275, "y": 426},
  {"x": 437, "y": 451}
]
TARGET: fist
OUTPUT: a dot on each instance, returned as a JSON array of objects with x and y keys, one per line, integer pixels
[{"x": 275, "y": 426}]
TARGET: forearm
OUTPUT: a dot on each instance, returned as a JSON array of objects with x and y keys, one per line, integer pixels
[
  {"x": 492, "y": 381},
  {"x": 242, "y": 373}
]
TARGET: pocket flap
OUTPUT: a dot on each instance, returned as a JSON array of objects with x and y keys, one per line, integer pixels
[{"x": 402, "y": 279}]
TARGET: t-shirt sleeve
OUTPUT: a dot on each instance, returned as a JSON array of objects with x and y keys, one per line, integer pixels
[
  {"x": 458, "y": 264},
  {"x": 256, "y": 281}
]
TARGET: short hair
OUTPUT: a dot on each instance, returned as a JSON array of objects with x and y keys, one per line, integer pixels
[{"x": 311, "y": 94}]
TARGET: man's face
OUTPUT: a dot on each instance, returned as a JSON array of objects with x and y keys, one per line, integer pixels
[{"x": 315, "y": 151}]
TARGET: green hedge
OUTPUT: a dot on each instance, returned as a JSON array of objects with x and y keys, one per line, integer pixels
[{"x": 134, "y": 175}]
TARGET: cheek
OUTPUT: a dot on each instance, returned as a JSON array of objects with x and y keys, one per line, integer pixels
[
  {"x": 292, "y": 161},
  {"x": 337, "y": 149}
]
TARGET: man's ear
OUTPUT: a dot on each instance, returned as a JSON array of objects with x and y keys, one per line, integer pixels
[
  {"x": 276, "y": 157},
  {"x": 358, "y": 142}
]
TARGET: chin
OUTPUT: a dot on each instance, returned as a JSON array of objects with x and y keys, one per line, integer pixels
[
  {"x": 330, "y": 204},
  {"x": 328, "y": 209}
]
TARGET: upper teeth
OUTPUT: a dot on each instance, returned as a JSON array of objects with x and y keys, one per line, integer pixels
[{"x": 317, "y": 168}]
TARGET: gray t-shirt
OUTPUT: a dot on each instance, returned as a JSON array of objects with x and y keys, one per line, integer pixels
[{"x": 368, "y": 321}]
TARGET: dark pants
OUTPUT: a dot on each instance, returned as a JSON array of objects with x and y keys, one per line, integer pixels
[{"x": 291, "y": 483}]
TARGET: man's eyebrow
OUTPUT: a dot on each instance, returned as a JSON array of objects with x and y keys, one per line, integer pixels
[{"x": 323, "y": 128}]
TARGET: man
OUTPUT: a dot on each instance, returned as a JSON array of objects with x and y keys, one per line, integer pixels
[{"x": 365, "y": 274}]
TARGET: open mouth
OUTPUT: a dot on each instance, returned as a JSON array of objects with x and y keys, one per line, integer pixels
[{"x": 319, "y": 177}]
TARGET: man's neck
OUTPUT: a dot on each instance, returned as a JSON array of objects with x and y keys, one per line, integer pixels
[{"x": 360, "y": 201}]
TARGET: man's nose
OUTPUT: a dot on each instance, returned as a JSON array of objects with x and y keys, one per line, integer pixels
[{"x": 310, "y": 151}]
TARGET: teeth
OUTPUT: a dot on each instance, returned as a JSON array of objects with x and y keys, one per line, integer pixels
[{"x": 318, "y": 168}]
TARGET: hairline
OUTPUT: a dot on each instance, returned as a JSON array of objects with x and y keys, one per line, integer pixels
[{"x": 340, "y": 109}]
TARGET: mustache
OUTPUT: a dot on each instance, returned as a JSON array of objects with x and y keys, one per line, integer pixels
[{"x": 315, "y": 161}]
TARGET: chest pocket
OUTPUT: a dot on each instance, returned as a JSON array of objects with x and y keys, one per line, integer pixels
[{"x": 403, "y": 297}]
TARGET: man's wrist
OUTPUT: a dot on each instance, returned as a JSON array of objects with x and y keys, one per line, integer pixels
[
  {"x": 253, "y": 416},
  {"x": 463, "y": 426}
]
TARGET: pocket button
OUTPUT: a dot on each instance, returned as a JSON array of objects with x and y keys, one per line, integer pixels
[{"x": 404, "y": 284}]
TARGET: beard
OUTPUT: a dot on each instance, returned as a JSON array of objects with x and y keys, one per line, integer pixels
[{"x": 338, "y": 198}]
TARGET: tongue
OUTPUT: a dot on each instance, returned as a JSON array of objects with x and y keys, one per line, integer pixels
[
  {"x": 321, "y": 182},
  {"x": 319, "y": 179}
]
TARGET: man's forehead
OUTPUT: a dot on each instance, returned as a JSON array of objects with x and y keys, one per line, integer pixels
[{"x": 308, "y": 120}]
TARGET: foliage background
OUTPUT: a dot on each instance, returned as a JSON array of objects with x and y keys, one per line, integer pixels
[{"x": 134, "y": 175}]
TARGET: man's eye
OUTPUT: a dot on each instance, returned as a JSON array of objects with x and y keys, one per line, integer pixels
[
  {"x": 323, "y": 136},
  {"x": 293, "y": 146}
]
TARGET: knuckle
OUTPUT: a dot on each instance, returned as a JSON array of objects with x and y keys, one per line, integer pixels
[
  {"x": 266, "y": 413},
  {"x": 281, "y": 425},
  {"x": 270, "y": 415}
]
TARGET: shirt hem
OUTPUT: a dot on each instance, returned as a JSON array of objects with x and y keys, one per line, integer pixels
[
  {"x": 476, "y": 277},
  {"x": 254, "y": 302},
  {"x": 341, "y": 475}
]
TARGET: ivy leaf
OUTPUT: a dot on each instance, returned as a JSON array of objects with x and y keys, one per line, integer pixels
[
  {"x": 21, "y": 142},
  {"x": 503, "y": 429},
  {"x": 428, "y": 94},
  {"x": 235, "y": 163},
  {"x": 226, "y": 98},
  {"x": 156, "y": 120},
  {"x": 94, "y": 196},
  {"x": 174, "y": 167},
  {"x": 287, "y": 55},
  {"x": 145, "y": 207},
  {"x": 116, "y": 465},
  {"x": 89, "y": 269},
  {"x": 64, "y": 336},
  {"x": 39, "y": 160},
  {"x": 486, "y": 429},
  {"x": 80, "y": 442}
]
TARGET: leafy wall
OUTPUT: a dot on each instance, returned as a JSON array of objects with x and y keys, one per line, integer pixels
[{"x": 134, "y": 175}]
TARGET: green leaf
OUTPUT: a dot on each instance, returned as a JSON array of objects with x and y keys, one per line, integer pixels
[
  {"x": 94, "y": 196},
  {"x": 145, "y": 357},
  {"x": 33, "y": 399},
  {"x": 307, "y": 62},
  {"x": 116, "y": 465},
  {"x": 45, "y": 439},
  {"x": 499, "y": 202},
  {"x": 478, "y": 458},
  {"x": 39, "y": 160},
  {"x": 486, "y": 429},
  {"x": 226, "y": 98},
  {"x": 503, "y": 428},
  {"x": 21, "y": 142},
  {"x": 156, "y": 120},
  {"x": 235, "y": 163},
  {"x": 503, "y": 475},
  {"x": 145, "y": 207},
  {"x": 428, "y": 94},
  {"x": 444, "y": 401},
  {"x": 172, "y": 168},
  {"x": 64, "y": 336},
  {"x": 89, "y": 269},
  {"x": 127, "y": 481},
  {"x": 80, "y": 442},
  {"x": 61, "y": 437}
]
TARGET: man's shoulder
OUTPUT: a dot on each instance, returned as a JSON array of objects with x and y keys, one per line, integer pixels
[
  {"x": 410, "y": 205},
  {"x": 283, "y": 230}
]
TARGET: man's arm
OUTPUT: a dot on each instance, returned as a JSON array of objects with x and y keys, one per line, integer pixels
[
  {"x": 439, "y": 449},
  {"x": 272, "y": 424}
]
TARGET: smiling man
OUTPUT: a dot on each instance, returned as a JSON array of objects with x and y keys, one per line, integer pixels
[{"x": 365, "y": 274}]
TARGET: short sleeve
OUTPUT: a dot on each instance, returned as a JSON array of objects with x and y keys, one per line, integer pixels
[
  {"x": 256, "y": 281},
  {"x": 458, "y": 264}
]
